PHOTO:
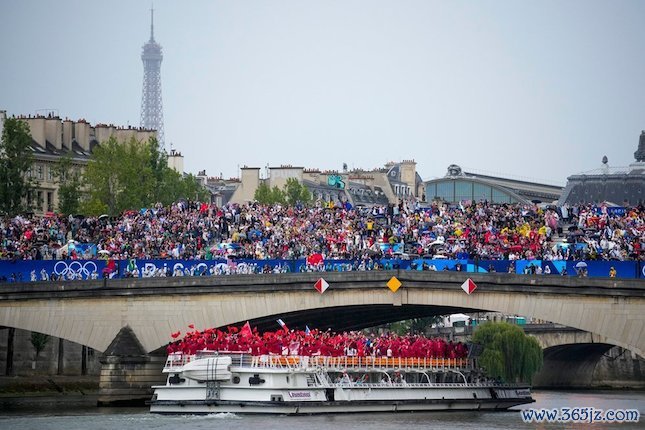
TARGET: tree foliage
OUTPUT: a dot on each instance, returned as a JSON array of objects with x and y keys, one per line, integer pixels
[
  {"x": 174, "y": 186},
  {"x": 39, "y": 342},
  {"x": 118, "y": 177},
  {"x": 295, "y": 192},
  {"x": 292, "y": 193},
  {"x": 277, "y": 195},
  {"x": 263, "y": 194},
  {"x": 509, "y": 354},
  {"x": 69, "y": 185},
  {"x": 414, "y": 325},
  {"x": 16, "y": 160},
  {"x": 132, "y": 175},
  {"x": 269, "y": 196}
]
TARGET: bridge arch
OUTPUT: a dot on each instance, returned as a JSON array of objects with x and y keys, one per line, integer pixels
[{"x": 570, "y": 365}]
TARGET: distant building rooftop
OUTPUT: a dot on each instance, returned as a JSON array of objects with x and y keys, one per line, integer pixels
[
  {"x": 618, "y": 185},
  {"x": 458, "y": 185}
]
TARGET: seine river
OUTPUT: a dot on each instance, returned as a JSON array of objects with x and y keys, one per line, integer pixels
[{"x": 77, "y": 413}]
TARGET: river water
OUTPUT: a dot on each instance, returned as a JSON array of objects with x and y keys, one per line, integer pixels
[{"x": 72, "y": 413}]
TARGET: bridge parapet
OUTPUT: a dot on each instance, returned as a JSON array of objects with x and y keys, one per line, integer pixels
[{"x": 305, "y": 281}]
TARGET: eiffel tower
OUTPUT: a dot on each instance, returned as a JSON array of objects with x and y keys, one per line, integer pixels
[{"x": 151, "y": 104}]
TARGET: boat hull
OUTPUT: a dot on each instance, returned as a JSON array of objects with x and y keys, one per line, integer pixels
[
  {"x": 302, "y": 385},
  {"x": 327, "y": 407},
  {"x": 355, "y": 400}
]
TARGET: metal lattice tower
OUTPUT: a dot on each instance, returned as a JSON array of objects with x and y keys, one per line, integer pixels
[{"x": 151, "y": 104}]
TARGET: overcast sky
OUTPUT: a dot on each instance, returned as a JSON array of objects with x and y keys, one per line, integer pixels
[{"x": 535, "y": 89}]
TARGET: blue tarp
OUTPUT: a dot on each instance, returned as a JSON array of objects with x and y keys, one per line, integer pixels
[{"x": 611, "y": 211}]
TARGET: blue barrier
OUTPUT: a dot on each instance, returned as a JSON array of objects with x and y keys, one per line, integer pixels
[{"x": 37, "y": 270}]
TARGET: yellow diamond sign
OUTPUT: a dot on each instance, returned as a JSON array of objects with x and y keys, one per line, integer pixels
[{"x": 393, "y": 284}]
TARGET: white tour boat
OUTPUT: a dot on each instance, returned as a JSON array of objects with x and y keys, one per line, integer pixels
[{"x": 212, "y": 382}]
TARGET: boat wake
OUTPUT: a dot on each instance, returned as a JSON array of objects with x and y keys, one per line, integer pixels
[{"x": 219, "y": 415}]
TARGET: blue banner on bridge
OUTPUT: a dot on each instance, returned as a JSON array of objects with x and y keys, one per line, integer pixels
[{"x": 42, "y": 270}]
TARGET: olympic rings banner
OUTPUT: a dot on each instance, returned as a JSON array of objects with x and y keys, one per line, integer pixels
[{"x": 42, "y": 270}]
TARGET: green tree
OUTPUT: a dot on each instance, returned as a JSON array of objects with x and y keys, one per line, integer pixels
[
  {"x": 293, "y": 192},
  {"x": 133, "y": 175},
  {"x": 69, "y": 185},
  {"x": 277, "y": 195},
  {"x": 175, "y": 186},
  {"x": 16, "y": 161},
  {"x": 263, "y": 194},
  {"x": 158, "y": 162},
  {"x": 509, "y": 354},
  {"x": 119, "y": 177},
  {"x": 269, "y": 196},
  {"x": 170, "y": 185},
  {"x": 296, "y": 192},
  {"x": 39, "y": 342},
  {"x": 413, "y": 325}
]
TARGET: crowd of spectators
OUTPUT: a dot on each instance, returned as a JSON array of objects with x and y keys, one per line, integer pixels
[
  {"x": 315, "y": 342},
  {"x": 199, "y": 231}
]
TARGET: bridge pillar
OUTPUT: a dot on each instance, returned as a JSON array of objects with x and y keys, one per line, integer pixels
[{"x": 128, "y": 372}]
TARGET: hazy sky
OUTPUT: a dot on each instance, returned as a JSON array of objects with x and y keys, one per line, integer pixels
[{"x": 538, "y": 89}]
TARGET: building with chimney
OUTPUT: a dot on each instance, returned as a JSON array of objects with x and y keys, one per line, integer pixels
[
  {"x": 391, "y": 184},
  {"x": 53, "y": 138}
]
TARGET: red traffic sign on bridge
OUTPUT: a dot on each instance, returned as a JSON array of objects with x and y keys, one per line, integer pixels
[
  {"x": 468, "y": 286},
  {"x": 321, "y": 285}
]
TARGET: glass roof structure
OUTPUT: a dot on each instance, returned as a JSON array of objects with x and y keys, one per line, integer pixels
[{"x": 456, "y": 187}]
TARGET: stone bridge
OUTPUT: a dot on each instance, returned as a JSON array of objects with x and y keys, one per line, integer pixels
[
  {"x": 573, "y": 358},
  {"x": 131, "y": 317}
]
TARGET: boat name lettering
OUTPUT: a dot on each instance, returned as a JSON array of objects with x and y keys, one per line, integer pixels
[{"x": 299, "y": 394}]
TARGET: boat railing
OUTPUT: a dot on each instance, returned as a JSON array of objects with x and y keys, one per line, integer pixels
[
  {"x": 346, "y": 362},
  {"x": 358, "y": 363},
  {"x": 356, "y": 384},
  {"x": 176, "y": 361}
]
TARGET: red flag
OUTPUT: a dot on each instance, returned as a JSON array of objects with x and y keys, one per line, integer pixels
[
  {"x": 246, "y": 330},
  {"x": 283, "y": 325}
]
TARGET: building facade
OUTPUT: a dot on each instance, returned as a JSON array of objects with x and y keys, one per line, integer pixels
[
  {"x": 53, "y": 138},
  {"x": 383, "y": 186}
]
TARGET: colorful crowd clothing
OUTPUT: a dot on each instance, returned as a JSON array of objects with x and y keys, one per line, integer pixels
[
  {"x": 316, "y": 342},
  {"x": 200, "y": 231}
]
